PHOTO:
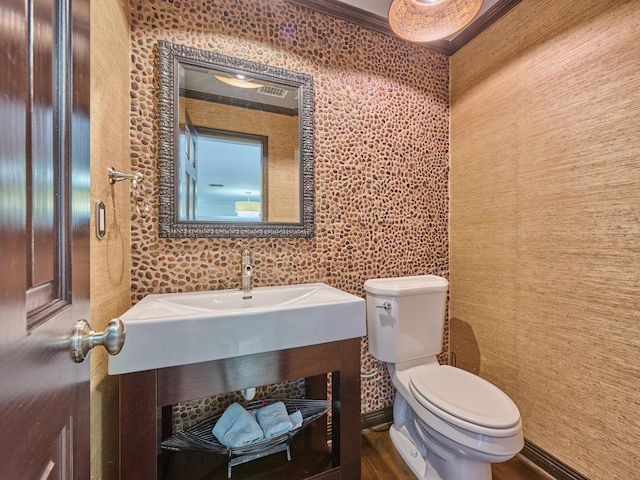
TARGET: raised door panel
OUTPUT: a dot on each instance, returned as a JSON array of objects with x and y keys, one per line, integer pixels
[{"x": 44, "y": 238}]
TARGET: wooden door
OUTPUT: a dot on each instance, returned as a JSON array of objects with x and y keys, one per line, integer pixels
[{"x": 44, "y": 237}]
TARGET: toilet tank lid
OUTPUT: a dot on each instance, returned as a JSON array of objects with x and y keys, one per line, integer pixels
[{"x": 399, "y": 286}]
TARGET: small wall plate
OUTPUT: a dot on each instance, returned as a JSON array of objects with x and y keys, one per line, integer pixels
[{"x": 101, "y": 220}]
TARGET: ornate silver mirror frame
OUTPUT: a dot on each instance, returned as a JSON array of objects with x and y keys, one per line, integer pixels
[{"x": 171, "y": 57}]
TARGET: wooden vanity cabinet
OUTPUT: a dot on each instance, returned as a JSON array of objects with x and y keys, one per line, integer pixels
[{"x": 147, "y": 398}]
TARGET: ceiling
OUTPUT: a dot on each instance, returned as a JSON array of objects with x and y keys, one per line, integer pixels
[
  {"x": 372, "y": 14},
  {"x": 381, "y": 7}
]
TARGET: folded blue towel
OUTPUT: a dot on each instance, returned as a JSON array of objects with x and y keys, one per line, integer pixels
[
  {"x": 274, "y": 419},
  {"x": 237, "y": 427},
  {"x": 296, "y": 419}
]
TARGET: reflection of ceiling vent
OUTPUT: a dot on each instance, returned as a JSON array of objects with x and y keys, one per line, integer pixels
[{"x": 273, "y": 91}]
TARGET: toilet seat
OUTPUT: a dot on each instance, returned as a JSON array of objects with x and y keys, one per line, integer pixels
[{"x": 465, "y": 400}]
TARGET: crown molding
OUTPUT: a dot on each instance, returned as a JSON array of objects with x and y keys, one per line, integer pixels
[{"x": 379, "y": 24}]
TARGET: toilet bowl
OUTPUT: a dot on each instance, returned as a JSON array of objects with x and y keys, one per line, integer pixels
[
  {"x": 448, "y": 423},
  {"x": 458, "y": 422}
]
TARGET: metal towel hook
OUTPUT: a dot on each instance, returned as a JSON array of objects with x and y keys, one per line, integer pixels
[{"x": 136, "y": 182}]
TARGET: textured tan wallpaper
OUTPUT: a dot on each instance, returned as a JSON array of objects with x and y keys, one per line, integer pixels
[
  {"x": 381, "y": 153},
  {"x": 110, "y": 257},
  {"x": 545, "y": 224}
]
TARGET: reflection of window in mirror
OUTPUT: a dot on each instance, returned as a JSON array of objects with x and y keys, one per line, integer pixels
[
  {"x": 188, "y": 174},
  {"x": 230, "y": 177},
  {"x": 255, "y": 107}
]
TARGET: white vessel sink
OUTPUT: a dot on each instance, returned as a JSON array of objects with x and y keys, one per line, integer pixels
[{"x": 165, "y": 330}]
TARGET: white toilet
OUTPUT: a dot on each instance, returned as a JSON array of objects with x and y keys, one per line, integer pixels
[{"x": 448, "y": 423}]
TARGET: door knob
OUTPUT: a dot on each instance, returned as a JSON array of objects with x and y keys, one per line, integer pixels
[{"x": 84, "y": 338}]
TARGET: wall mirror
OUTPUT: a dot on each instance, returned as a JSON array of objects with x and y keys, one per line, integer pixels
[{"x": 235, "y": 147}]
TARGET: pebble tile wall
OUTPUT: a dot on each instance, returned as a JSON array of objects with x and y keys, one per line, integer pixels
[{"x": 381, "y": 145}]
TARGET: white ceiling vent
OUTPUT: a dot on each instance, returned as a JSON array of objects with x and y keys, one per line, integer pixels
[{"x": 273, "y": 91}]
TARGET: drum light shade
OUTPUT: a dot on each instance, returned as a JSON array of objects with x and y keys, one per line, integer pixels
[
  {"x": 248, "y": 209},
  {"x": 238, "y": 82},
  {"x": 429, "y": 20}
]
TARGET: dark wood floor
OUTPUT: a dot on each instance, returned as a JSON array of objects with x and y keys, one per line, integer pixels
[
  {"x": 381, "y": 461},
  {"x": 310, "y": 455}
]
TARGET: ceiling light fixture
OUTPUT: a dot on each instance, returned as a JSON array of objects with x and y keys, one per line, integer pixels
[
  {"x": 428, "y": 20},
  {"x": 239, "y": 81},
  {"x": 248, "y": 208}
]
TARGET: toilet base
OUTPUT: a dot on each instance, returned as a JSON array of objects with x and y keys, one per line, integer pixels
[
  {"x": 408, "y": 452},
  {"x": 434, "y": 467}
]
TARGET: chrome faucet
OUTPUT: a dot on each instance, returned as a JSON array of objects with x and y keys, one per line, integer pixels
[{"x": 247, "y": 271}]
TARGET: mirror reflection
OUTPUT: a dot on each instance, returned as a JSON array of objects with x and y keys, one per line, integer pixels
[
  {"x": 237, "y": 160},
  {"x": 238, "y": 157}
]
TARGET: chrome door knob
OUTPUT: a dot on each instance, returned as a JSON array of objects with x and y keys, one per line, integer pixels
[{"x": 84, "y": 338}]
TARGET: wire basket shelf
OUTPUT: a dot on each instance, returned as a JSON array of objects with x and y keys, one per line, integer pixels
[{"x": 200, "y": 436}]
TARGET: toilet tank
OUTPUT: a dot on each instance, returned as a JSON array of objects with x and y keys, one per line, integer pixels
[{"x": 405, "y": 316}]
